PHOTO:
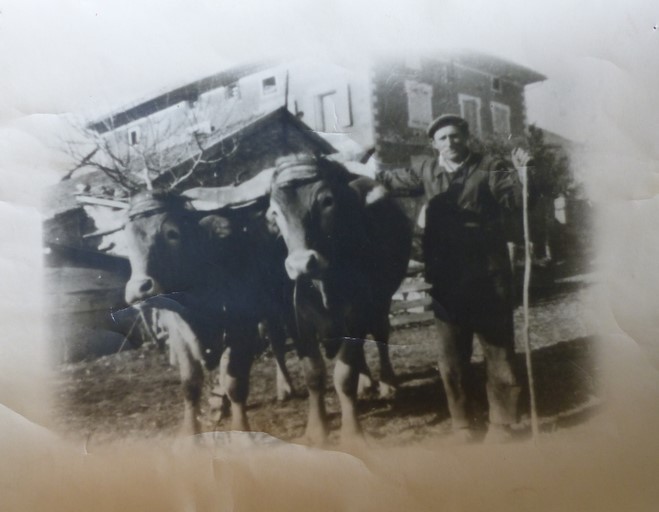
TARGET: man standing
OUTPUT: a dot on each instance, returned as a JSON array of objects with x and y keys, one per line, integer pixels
[{"x": 468, "y": 266}]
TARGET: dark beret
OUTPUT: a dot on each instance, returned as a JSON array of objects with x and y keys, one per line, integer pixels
[{"x": 447, "y": 120}]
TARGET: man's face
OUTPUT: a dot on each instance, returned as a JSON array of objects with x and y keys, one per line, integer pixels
[{"x": 451, "y": 142}]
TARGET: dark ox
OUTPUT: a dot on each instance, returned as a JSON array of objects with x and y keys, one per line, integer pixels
[
  {"x": 348, "y": 251},
  {"x": 212, "y": 278}
]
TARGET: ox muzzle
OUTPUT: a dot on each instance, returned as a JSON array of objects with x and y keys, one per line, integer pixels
[
  {"x": 141, "y": 288},
  {"x": 306, "y": 262}
]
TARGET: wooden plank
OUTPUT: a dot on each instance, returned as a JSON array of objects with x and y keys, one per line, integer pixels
[
  {"x": 100, "y": 301},
  {"x": 415, "y": 269},
  {"x": 100, "y": 201},
  {"x": 63, "y": 280},
  {"x": 404, "y": 305},
  {"x": 412, "y": 318},
  {"x": 414, "y": 286}
]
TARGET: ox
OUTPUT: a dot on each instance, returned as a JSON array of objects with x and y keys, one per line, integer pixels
[
  {"x": 213, "y": 277},
  {"x": 348, "y": 250}
]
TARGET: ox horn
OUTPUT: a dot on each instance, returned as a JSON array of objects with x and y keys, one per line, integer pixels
[
  {"x": 104, "y": 232},
  {"x": 147, "y": 180},
  {"x": 214, "y": 198}
]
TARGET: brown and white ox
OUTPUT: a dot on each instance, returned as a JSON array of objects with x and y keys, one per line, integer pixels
[
  {"x": 348, "y": 251},
  {"x": 212, "y": 278}
]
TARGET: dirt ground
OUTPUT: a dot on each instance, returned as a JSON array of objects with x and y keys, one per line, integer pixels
[{"x": 136, "y": 392}]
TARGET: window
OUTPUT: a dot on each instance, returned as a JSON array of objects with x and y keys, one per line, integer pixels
[
  {"x": 269, "y": 85},
  {"x": 334, "y": 110},
  {"x": 500, "y": 118},
  {"x": 419, "y": 104},
  {"x": 134, "y": 136},
  {"x": 233, "y": 91},
  {"x": 496, "y": 84},
  {"x": 470, "y": 110}
]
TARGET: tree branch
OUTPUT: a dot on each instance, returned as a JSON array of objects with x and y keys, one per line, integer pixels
[{"x": 84, "y": 162}]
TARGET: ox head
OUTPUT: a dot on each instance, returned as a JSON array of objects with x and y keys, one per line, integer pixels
[
  {"x": 317, "y": 213},
  {"x": 167, "y": 246}
]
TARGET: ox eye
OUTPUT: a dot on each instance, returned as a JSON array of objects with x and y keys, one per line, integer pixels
[
  {"x": 172, "y": 235},
  {"x": 326, "y": 202}
]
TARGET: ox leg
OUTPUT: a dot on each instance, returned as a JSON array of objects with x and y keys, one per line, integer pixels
[
  {"x": 365, "y": 383},
  {"x": 278, "y": 341},
  {"x": 240, "y": 363},
  {"x": 192, "y": 381},
  {"x": 191, "y": 372},
  {"x": 315, "y": 378},
  {"x": 241, "y": 340},
  {"x": 346, "y": 378},
  {"x": 388, "y": 382},
  {"x": 220, "y": 404},
  {"x": 185, "y": 351}
]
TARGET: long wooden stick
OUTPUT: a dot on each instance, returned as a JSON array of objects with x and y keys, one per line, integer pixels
[{"x": 527, "y": 281}]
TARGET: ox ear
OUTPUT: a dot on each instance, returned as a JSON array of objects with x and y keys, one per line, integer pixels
[
  {"x": 368, "y": 190},
  {"x": 216, "y": 226}
]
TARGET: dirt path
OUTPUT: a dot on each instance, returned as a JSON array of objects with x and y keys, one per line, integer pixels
[{"x": 136, "y": 392}]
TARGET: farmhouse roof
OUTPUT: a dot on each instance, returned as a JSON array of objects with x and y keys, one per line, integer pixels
[
  {"x": 188, "y": 92},
  {"x": 497, "y": 67}
]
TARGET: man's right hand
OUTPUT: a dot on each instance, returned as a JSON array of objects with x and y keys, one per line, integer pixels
[{"x": 520, "y": 158}]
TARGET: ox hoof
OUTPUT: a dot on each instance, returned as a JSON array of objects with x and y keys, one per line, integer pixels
[
  {"x": 309, "y": 441},
  {"x": 499, "y": 434},
  {"x": 220, "y": 408},
  {"x": 387, "y": 391},
  {"x": 284, "y": 394},
  {"x": 315, "y": 437},
  {"x": 462, "y": 436},
  {"x": 240, "y": 424},
  {"x": 353, "y": 441},
  {"x": 365, "y": 386}
]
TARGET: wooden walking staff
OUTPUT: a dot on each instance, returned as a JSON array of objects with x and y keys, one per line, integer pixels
[{"x": 521, "y": 158}]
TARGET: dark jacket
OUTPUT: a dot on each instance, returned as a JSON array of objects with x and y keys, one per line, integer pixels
[{"x": 464, "y": 238}]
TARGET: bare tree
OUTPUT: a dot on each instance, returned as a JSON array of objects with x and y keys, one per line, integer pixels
[{"x": 159, "y": 149}]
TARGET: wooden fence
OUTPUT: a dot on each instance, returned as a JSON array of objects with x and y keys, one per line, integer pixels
[{"x": 411, "y": 303}]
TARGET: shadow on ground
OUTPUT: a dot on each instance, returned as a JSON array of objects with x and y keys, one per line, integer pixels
[{"x": 566, "y": 390}]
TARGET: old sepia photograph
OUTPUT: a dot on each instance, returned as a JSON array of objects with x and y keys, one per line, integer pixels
[
  {"x": 392, "y": 252},
  {"x": 329, "y": 256}
]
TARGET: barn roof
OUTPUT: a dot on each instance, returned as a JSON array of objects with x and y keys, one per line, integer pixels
[
  {"x": 248, "y": 135},
  {"x": 61, "y": 197}
]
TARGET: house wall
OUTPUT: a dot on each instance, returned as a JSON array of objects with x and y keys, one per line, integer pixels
[
  {"x": 164, "y": 129},
  {"x": 479, "y": 84},
  {"x": 326, "y": 97},
  {"x": 397, "y": 83},
  {"x": 332, "y": 99},
  {"x": 219, "y": 109},
  {"x": 370, "y": 106}
]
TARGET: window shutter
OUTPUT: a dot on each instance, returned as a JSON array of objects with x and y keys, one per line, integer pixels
[{"x": 419, "y": 104}]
